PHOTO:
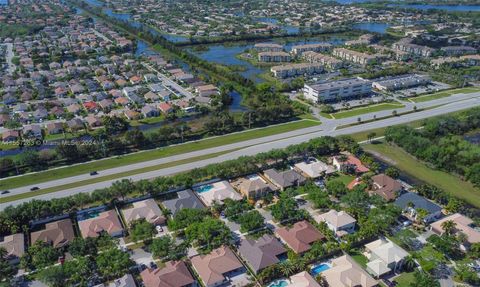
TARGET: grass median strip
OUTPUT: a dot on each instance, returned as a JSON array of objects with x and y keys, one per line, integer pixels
[
  {"x": 450, "y": 183},
  {"x": 30, "y": 179},
  {"x": 109, "y": 177},
  {"x": 444, "y": 94},
  {"x": 366, "y": 110}
]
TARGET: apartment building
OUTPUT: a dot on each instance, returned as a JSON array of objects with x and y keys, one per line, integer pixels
[
  {"x": 320, "y": 47},
  {"x": 406, "y": 45},
  {"x": 326, "y": 60},
  {"x": 357, "y": 57},
  {"x": 292, "y": 70},
  {"x": 274, "y": 57},
  {"x": 268, "y": 47}
]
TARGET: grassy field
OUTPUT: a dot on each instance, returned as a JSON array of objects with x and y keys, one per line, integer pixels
[
  {"x": 379, "y": 132},
  {"x": 404, "y": 279},
  {"x": 421, "y": 171},
  {"x": 444, "y": 94},
  {"x": 6, "y": 199},
  {"x": 53, "y": 174},
  {"x": 366, "y": 110}
]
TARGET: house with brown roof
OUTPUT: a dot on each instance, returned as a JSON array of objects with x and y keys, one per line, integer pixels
[
  {"x": 10, "y": 135},
  {"x": 216, "y": 267},
  {"x": 14, "y": 245},
  {"x": 93, "y": 121},
  {"x": 165, "y": 108},
  {"x": 54, "y": 128},
  {"x": 57, "y": 233},
  {"x": 300, "y": 236},
  {"x": 349, "y": 162},
  {"x": 463, "y": 225},
  {"x": 173, "y": 274},
  {"x": 284, "y": 179},
  {"x": 146, "y": 209},
  {"x": 261, "y": 253},
  {"x": 106, "y": 221},
  {"x": 385, "y": 186},
  {"x": 253, "y": 186},
  {"x": 345, "y": 272}
]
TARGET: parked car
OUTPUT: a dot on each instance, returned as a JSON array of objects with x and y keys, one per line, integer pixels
[{"x": 159, "y": 229}]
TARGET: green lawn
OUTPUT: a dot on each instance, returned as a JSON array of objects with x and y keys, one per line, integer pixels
[
  {"x": 48, "y": 175},
  {"x": 404, "y": 279},
  {"x": 344, "y": 178},
  {"x": 444, "y": 94},
  {"x": 366, "y": 110},
  {"x": 359, "y": 258},
  {"x": 421, "y": 171}
]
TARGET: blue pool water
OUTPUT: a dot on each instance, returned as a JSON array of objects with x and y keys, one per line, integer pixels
[
  {"x": 204, "y": 188},
  {"x": 319, "y": 269},
  {"x": 279, "y": 283}
]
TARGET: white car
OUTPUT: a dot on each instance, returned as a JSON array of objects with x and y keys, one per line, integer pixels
[{"x": 159, "y": 229}]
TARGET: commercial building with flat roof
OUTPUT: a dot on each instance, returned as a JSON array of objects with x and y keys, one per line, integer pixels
[
  {"x": 340, "y": 89},
  {"x": 401, "y": 82}
]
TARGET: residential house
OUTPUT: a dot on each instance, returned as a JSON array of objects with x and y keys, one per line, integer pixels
[
  {"x": 75, "y": 124},
  {"x": 54, "y": 127},
  {"x": 14, "y": 245},
  {"x": 106, "y": 221},
  {"x": 124, "y": 281},
  {"x": 150, "y": 111},
  {"x": 261, "y": 253},
  {"x": 10, "y": 135},
  {"x": 131, "y": 114},
  {"x": 411, "y": 202},
  {"x": 147, "y": 209},
  {"x": 314, "y": 169},
  {"x": 386, "y": 187},
  {"x": 340, "y": 222},
  {"x": 185, "y": 199},
  {"x": 300, "y": 236},
  {"x": 302, "y": 279},
  {"x": 32, "y": 131},
  {"x": 93, "y": 121},
  {"x": 253, "y": 187},
  {"x": 463, "y": 225},
  {"x": 345, "y": 272},
  {"x": 206, "y": 90},
  {"x": 284, "y": 179},
  {"x": 348, "y": 163},
  {"x": 217, "y": 192},
  {"x": 166, "y": 108},
  {"x": 58, "y": 233},
  {"x": 215, "y": 267},
  {"x": 384, "y": 257},
  {"x": 173, "y": 274}
]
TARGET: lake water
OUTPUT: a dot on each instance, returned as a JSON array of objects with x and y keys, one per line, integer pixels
[
  {"x": 372, "y": 27},
  {"x": 227, "y": 55},
  {"x": 453, "y": 8},
  {"x": 3, "y": 2}
]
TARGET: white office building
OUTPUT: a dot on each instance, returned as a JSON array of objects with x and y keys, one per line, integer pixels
[{"x": 337, "y": 90}]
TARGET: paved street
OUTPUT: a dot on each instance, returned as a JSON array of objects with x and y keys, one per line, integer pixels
[{"x": 251, "y": 147}]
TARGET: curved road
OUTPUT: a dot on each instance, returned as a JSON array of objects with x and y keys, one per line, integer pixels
[{"x": 252, "y": 147}]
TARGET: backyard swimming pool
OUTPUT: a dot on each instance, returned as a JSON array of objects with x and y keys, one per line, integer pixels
[
  {"x": 204, "y": 188},
  {"x": 279, "y": 283},
  {"x": 317, "y": 269}
]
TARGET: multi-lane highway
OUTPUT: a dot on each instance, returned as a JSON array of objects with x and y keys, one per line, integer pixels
[{"x": 250, "y": 147}]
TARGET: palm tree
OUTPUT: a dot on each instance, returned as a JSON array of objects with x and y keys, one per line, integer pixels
[
  {"x": 409, "y": 264},
  {"x": 448, "y": 227},
  {"x": 287, "y": 268}
]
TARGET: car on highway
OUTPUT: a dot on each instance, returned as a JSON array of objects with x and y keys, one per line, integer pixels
[
  {"x": 5, "y": 191},
  {"x": 93, "y": 172},
  {"x": 34, "y": 188}
]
